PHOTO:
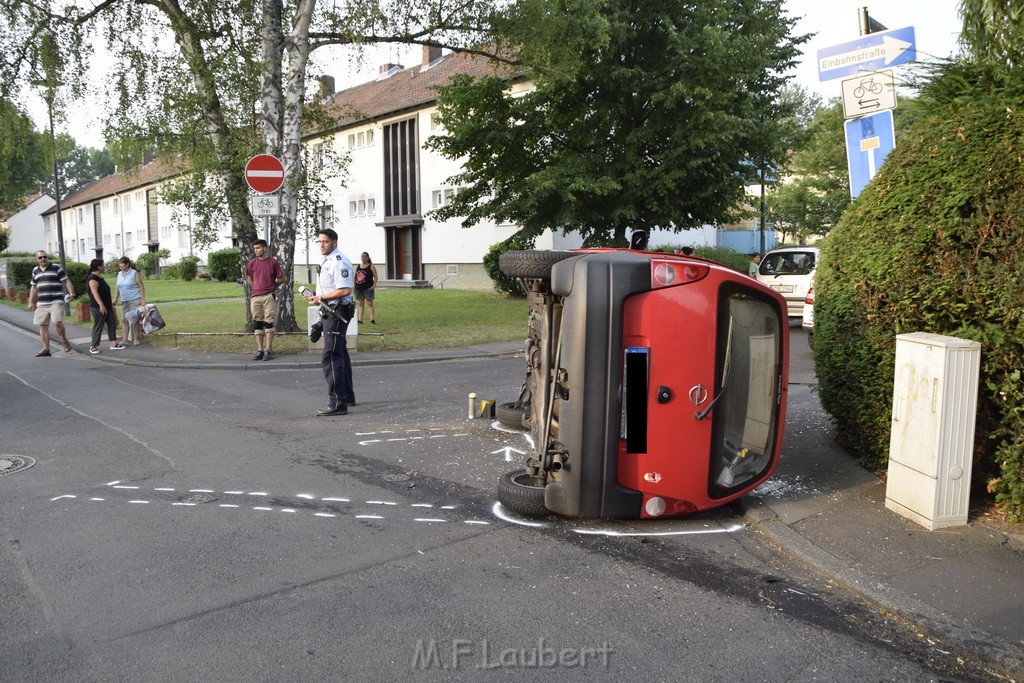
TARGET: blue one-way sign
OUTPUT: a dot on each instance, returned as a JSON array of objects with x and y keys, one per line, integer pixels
[
  {"x": 868, "y": 53},
  {"x": 868, "y": 141}
]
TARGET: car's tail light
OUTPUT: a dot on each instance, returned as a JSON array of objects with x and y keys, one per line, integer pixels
[
  {"x": 809, "y": 299},
  {"x": 670, "y": 273},
  {"x": 662, "y": 506}
]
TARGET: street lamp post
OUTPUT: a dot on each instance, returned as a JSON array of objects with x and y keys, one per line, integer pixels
[{"x": 56, "y": 191}]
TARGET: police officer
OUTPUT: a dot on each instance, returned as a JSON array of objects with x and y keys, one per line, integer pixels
[{"x": 334, "y": 287}]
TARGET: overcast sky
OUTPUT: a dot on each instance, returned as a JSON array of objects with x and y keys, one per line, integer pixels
[{"x": 936, "y": 25}]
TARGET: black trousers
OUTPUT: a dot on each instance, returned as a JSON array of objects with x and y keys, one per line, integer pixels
[
  {"x": 337, "y": 365},
  {"x": 99, "y": 320}
]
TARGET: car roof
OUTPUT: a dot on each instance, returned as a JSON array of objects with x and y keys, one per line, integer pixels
[{"x": 787, "y": 249}]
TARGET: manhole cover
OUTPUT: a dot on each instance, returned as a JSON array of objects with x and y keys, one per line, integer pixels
[
  {"x": 196, "y": 498},
  {"x": 9, "y": 464},
  {"x": 396, "y": 477}
]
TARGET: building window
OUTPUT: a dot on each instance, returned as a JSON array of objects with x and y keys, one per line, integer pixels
[
  {"x": 361, "y": 139},
  {"x": 436, "y": 199},
  {"x": 117, "y": 242},
  {"x": 116, "y": 204},
  {"x": 352, "y": 141},
  {"x": 435, "y": 121},
  {"x": 353, "y": 209},
  {"x": 371, "y": 206},
  {"x": 106, "y": 239},
  {"x": 81, "y": 216},
  {"x": 128, "y": 203},
  {"x": 326, "y": 216},
  {"x": 453, "y": 268},
  {"x": 362, "y": 207},
  {"x": 141, "y": 235}
]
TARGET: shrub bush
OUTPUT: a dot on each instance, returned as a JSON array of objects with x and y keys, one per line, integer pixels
[
  {"x": 933, "y": 245},
  {"x": 170, "y": 272},
  {"x": 188, "y": 267},
  {"x": 20, "y": 273},
  {"x": 503, "y": 283},
  {"x": 223, "y": 265},
  {"x": 148, "y": 263}
]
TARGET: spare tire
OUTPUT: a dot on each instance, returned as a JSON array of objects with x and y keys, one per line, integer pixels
[
  {"x": 531, "y": 264},
  {"x": 519, "y": 492},
  {"x": 510, "y": 415}
]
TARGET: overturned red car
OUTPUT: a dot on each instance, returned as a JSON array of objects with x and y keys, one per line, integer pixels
[{"x": 656, "y": 384}]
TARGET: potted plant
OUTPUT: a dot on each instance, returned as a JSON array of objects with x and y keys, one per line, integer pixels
[{"x": 81, "y": 305}]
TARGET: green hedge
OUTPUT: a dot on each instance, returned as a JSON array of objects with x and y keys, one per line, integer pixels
[
  {"x": 934, "y": 245},
  {"x": 503, "y": 283},
  {"x": 20, "y": 273},
  {"x": 223, "y": 265}
]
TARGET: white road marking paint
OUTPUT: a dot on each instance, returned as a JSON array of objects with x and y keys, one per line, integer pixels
[
  {"x": 508, "y": 451},
  {"x": 258, "y": 493},
  {"x": 475, "y": 521},
  {"x": 139, "y": 502},
  {"x": 368, "y": 442},
  {"x": 133, "y": 488},
  {"x": 304, "y": 495},
  {"x": 499, "y": 512},
  {"x": 323, "y": 514},
  {"x": 611, "y": 533},
  {"x": 228, "y": 505},
  {"x": 427, "y": 519},
  {"x": 100, "y": 500},
  {"x": 502, "y": 514},
  {"x": 234, "y": 493},
  {"x": 380, "y": 502},
  {"x": 200, "y": 490},
  {"x": 336, "y": 500},
  {"x": 263, "y": 508},
  {"x": 111, "y": 483},
  {"x": 447, "y": 507},
  {"x": 421, "y": 505},
  {"x": 163, "y": 489},
  {"x": 368, "y": 517},
  {"x": 286, "y": 510},
  {"x": 187, "y": 505},
  {"x": 66, "y": 495}
]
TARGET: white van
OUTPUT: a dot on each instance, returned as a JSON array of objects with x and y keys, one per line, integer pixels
[{"x": 790, "y": 272}]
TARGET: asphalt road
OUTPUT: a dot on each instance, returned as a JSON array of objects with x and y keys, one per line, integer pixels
[{"x": 187, "y": 524}]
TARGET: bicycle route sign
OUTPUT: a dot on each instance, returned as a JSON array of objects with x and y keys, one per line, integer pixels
[
  {"x": 869, "y": 94},
  {"x": 264, "y": 173},
  {"x": 265, "y": 205}
]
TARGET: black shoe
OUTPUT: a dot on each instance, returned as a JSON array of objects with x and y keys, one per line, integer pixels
[
  {"x": 268, "y": 354},
  {"x": 373, "y": 322},
  {"x": 44, "y": 352},
  {"x": 360, "y": 322},
  {"x": 259, "y": 355},
  {"x": 331, "y": 412},
  {"x": 351, "y": 403}
]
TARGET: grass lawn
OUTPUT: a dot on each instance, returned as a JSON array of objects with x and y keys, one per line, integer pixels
[{"x": 406, "y": 319}]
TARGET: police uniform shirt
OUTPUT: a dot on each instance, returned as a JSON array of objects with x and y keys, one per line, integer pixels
[{"x": 336, "y": 272}]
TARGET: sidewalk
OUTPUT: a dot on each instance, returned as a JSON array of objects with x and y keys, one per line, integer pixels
[{"x": 963, "y": 587}]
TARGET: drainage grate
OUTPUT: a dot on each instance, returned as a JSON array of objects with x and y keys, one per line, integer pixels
[{"x": 9, "y": 464}]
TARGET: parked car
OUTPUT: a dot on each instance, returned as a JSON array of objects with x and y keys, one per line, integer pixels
[
  {"x": 808, "y": 321},
  {"x": 789, "y": 272},
  {"x": 656, "y": 384}
]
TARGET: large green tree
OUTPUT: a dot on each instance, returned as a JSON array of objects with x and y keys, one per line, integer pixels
[
  {"x": 215, "y": 82},
  {"x": 23, "y": 168},
  {"x": 655, "y": 121}
]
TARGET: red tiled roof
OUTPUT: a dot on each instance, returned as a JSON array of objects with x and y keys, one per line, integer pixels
[
  {"x": 409, "y": 88},
  {"x": 123, "y": 182}
]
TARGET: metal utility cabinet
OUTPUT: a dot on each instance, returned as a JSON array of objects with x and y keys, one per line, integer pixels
[{"x": 934, "y": 407}]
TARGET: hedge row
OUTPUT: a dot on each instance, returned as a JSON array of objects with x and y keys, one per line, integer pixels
[{"x": 934, "y": 245}]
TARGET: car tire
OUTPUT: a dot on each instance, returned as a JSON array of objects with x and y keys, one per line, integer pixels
[
  {"x": 510, "y": 415},
  {"x": 531, "y": 264},
  {"x": 518, "y": 492}
]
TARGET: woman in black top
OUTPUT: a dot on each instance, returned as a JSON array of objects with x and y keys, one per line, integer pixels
[
  {"x": 102, "y": 307},
  {"x": 365, "y": 281}
]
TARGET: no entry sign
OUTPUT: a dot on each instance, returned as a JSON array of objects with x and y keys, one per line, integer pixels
[{"x": 264, "y": 173}]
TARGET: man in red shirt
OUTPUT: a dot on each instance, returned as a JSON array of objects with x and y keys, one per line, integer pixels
[{"x": 263, "y": 274}]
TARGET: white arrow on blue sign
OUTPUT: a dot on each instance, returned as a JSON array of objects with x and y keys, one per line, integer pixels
[
  {"x": 868, "y": 141},
  {"x": 868, "y": 53}
]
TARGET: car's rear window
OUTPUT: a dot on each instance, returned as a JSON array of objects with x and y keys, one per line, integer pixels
[{"x": 788, "y": 263}]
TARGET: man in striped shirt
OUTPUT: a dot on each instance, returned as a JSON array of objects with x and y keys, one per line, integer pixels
[{"x": 46, "y": 297}]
